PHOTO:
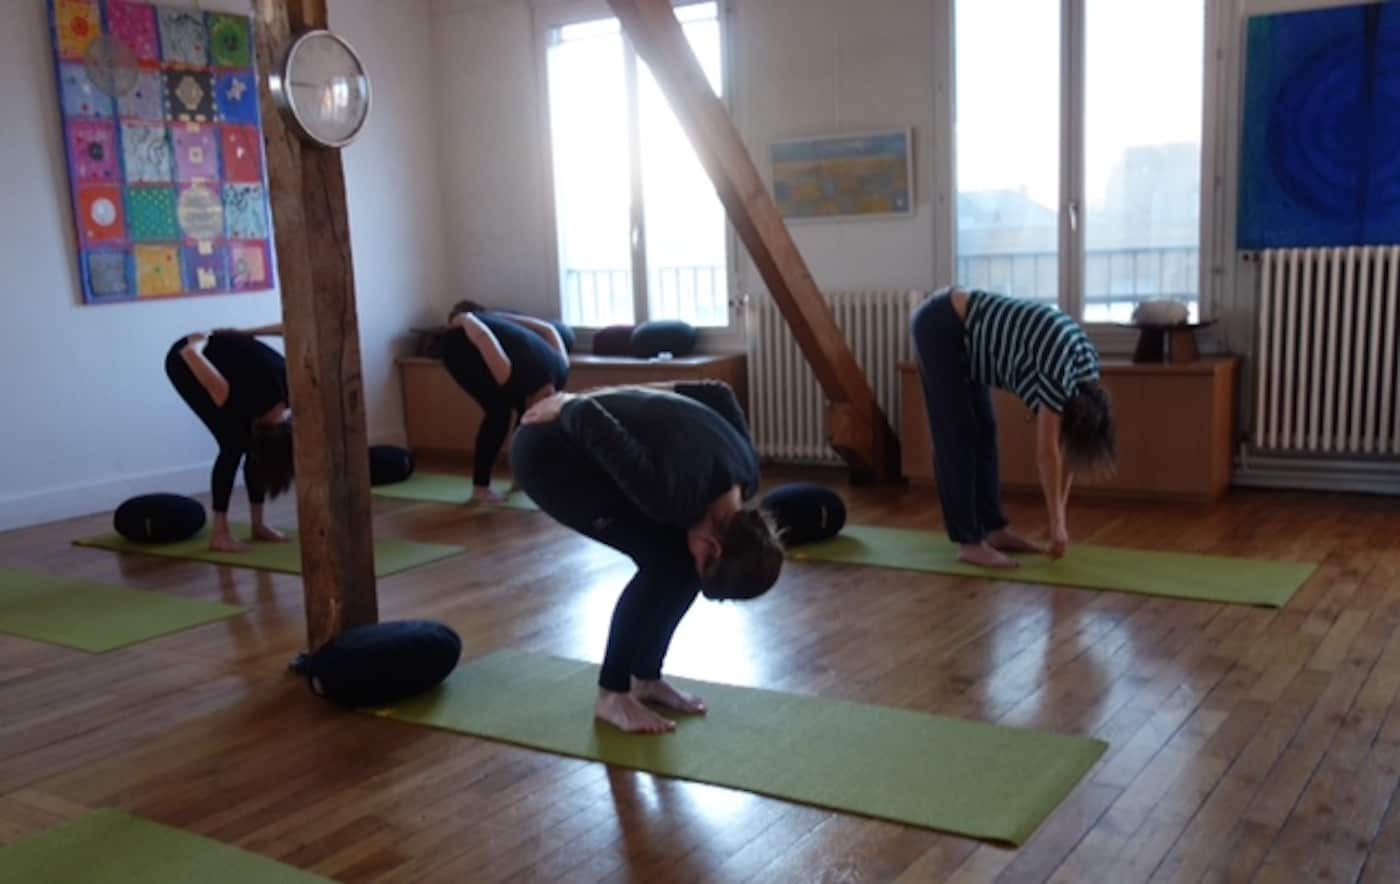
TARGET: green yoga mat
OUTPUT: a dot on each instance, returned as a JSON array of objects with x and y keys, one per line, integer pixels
[
  {"x": 91, "y": 617},
  {"x": 445, "y": 488},
  {"x": 114, "y": 848},
  {"x": 990, "y": 782},
  {"x": 1204, "y": 578},
  {"x": 390, "y": 556}
]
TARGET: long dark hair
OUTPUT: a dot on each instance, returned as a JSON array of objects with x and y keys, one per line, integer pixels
[
  {"x": 1088, "y": 433},
  {"x": 751, "y": 559},
  {"x": 270, "y": 457}
]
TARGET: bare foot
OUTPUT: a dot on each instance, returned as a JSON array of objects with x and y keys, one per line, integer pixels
[
  {"x": 662, "y": 694},
  {"x": 984, "y": 556},
  {"x": 626, "y": 713},
  {"x": 271, "y": 535},
  {"x": 226, "y": 544},
  {"x": 1009, "y": 541},
  {"x": 487, "y": 495}
]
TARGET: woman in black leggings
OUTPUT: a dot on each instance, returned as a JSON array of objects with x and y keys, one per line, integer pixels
[
  {"x": 237, "y": 385},
  {"x": 660, "y": 475},
  {"x": 506, "y": 362}
]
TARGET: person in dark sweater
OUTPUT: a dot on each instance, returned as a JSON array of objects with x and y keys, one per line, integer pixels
[
  {"x": 237, "y": 385},
  {"x": 661, "y": 474},
  {"x": 506, "y": 362},
  {"x": 968, "y": 342}
]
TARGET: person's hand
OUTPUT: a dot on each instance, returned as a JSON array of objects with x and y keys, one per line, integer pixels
[
  {"x": 546, "y": 409},
  {"x": 1059, "y": 540}
]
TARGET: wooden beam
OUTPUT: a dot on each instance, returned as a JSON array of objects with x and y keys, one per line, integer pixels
[
  {"x": 857, "y": 428},
  {"x": 307, "y": 187}
]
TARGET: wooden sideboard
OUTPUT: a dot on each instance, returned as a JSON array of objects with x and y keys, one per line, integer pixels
[
  {"x": 441, "y": 419},
  {"x": 1176, "y": 430}
]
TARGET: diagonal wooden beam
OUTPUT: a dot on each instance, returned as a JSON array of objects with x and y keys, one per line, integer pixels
[
  {"x": 856, "y": 426},
  {"x": 307, "y": 188}
]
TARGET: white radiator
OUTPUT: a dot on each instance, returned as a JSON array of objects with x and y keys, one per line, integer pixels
[
  {"x": 1327, "y": 368},
  {"x": 787, "y": 409}
]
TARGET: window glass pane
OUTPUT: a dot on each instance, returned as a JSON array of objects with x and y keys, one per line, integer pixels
[
  {"x": 685, "y": 222},
  {"x": 1142, "y": 189},
  {"x": 1008, "y": 146},
  {"x": 588, "y": 139}
]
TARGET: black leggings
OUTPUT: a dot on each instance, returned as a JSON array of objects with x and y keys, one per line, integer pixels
[
  {"x": 572, "y": 488},
  {"x": 961, "y": 422},
  {"x": 231, "y": 436}
]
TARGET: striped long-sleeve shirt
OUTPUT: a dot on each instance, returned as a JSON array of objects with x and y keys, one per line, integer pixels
[{"x": 1029, "y": 349}]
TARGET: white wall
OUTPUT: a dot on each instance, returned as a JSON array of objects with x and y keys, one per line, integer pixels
[
  {"x": 802, "y": 67},
  {"x": 87, "y": 416}
]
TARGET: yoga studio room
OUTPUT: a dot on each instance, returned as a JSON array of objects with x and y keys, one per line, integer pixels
[{"x": 688, "y": 441}]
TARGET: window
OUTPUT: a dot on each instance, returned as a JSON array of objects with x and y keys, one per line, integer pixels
[
  {"x": 641, "y": 233},
  {"x": 1079, "y": 183}
]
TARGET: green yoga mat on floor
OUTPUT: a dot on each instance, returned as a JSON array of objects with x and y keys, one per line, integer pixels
[
  {"x": 1203, "y": 578},
  {"x": 990, "y": 782},
  {"x": 445, "y": 488},
  {"x": 92, "y": 617},
  {"x": 114, "y": 848},
  {"x": 390, "y": 556}
]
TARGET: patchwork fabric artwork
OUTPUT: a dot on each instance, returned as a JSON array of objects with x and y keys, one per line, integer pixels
[{"x": 163, "y": 135}]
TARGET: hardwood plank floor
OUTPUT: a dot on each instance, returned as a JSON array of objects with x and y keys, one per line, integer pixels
[{"x": 1246, "y": 744}]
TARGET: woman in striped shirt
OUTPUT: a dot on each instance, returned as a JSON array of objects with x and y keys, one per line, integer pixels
[{"x": 967, "y": 342}]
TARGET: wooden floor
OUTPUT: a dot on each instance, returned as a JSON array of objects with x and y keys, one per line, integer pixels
[{"x": 1246, "y": 744}]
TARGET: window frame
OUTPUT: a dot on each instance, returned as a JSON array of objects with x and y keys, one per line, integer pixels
[
  {"x": 548, "y": 15},
  {"x": 1111, "y": 339}
]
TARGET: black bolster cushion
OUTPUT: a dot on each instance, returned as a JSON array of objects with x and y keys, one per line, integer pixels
[
  {"x": 615, "y": 340},
  {"x": 566, "y": 332},
  {"x": 389, "y": 464},
  {"x": 159, "y": 518},
  {"x": 379, "y": 665},
  {"x": 663, "y": 336},
  {"x": 806, "y": 513}
]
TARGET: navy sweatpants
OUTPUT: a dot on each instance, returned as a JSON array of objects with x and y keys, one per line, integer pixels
[
  {"x": 961, "y": 423},
  {"x": 576, "y": 491}
]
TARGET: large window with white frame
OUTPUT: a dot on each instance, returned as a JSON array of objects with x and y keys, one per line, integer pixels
[
  {"x": 1078, "y": 151},
  {"x": 640, "y": 232}
]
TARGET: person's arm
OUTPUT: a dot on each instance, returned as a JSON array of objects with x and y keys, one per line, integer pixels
[
  {"x": 1054, "y": 481},
  {"x": 497, "y": 362},
  {"x": 275, "y": 330},
  {"x": 620, "y": 454},
  {"x": 544, "y": 330},
  {"x": 720, "y": 397},
  {"x": 204, "y": 371}
]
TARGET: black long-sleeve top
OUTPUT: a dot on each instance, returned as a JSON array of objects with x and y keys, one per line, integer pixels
[
  {"x": 672, "y": 453},
  {"x": 257, "y": 381}
]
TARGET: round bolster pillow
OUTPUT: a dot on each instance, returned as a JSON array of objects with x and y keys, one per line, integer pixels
[
  {"x": 379, "y": 665},
  {"x": 672, "y": 336},
  {"x": 389, "y": 464},
  {"x": 159, "y": 518},
  {"x": 806, "y": 513},
  {"x": 615, "y": 340}
]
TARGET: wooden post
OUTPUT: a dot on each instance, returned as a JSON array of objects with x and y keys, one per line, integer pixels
[
  {"x": 856, "y": 426},
  {"x": 307, "y": 188}
]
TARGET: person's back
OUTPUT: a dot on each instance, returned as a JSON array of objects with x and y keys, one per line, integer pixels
[{"x": 534, "y": 363}]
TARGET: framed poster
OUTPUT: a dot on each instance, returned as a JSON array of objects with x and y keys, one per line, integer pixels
[
  {"x": 162, "y": 132},
  {"x": 844, "y": 176}
]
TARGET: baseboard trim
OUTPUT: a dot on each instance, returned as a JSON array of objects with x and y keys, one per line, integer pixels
[{"x": 84, "y": 499}]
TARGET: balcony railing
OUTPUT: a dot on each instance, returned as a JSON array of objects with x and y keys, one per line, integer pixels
[
  {"x": 697, "y": 294},
  {"x": 1116, "y": 280}
]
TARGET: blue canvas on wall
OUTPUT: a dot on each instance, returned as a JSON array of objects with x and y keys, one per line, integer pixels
[{"x": 1320, "y": 162}]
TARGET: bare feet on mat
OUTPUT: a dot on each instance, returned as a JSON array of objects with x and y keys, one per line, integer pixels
[
  {"x": 1009, "y": 541},
  {"x": 487, "y": 495},
  {"x": 626, "y": 713},
  {"x": 662, "y": 694},
  {"x": 266, "y": 533},
  {"x": 226, "y": 544},
  {"x": 983, "y": 556}
]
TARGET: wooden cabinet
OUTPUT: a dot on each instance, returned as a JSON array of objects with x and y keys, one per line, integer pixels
[
  {"x": 1175, "y": 431},
  {"x": 441, "y": 419}
]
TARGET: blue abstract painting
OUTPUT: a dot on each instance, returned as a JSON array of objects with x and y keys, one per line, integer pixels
[{"x": 1320, "y": 160}]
